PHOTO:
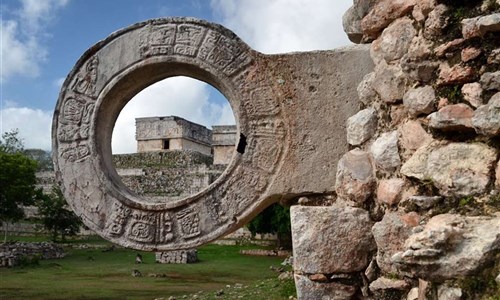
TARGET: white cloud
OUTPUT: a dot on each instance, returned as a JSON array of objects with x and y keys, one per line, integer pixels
[
  {"x": 21, "y": 38},
  {"x": 34, "y": 125},
  {"x": 180, "y": 96},
  {"x": 285, "y": 25}
]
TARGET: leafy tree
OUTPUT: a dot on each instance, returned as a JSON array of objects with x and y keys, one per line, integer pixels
[
  {"x": 11, "y": 142},
  {"x": 274, "y": 219},
  {"x": 43, "y": 158},
  {"x": 17, "y": 179},
  {"x": 55, "y": 215}
]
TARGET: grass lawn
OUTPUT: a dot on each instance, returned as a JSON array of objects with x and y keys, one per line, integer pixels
[{"x": 94, "y": 274}]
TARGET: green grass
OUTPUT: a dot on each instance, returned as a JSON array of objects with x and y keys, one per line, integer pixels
[{"x": 94, "y": 274}]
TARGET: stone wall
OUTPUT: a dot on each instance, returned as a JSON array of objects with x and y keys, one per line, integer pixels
[
  {"x": 166, "y": 175},
  {"x": 182, "y": 135},
  {"x": 415, "y": 213},
  {"x": 12, "y": 254},
  {"x": 177, "y": 257}
]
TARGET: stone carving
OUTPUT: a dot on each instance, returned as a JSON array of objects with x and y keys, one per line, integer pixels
[
  {"x": 119, "y": 218},
  {"x": 76, "y": 153},
  {"x": 86, "y": 80},
  {"x": 278, "y": 124},
  {"x": 189, "y": 221}
]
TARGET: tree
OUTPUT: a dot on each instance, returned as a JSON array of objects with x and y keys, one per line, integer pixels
[
  {"x": 55, "y": 215},
  {"x": 43, "y": 158},
  {"x": 17, "y": 179},
  {"x": 274, "y": 219}
]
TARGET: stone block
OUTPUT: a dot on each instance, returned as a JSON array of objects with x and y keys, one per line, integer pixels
[
  {"x": 331, "y": 239},
  {"x": 355, "y": 176},
  {"x": 310, "y": 290}
]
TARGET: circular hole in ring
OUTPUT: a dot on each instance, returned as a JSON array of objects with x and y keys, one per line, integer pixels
[{"x": 173, "y": 139}]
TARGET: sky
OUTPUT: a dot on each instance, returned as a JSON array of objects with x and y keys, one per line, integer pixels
[{"x": 41, "y": 40}]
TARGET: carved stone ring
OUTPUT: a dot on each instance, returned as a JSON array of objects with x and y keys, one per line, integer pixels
[{"x": 272, "y": 98}]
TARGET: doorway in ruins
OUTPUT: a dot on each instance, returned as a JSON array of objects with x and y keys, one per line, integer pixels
[{"x": 173, "y": 139}]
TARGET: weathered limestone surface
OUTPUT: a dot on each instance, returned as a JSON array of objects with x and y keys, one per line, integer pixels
[
  {"x": 283, "y": 105},
  {"x": 455, "y": 169},
  {"x": 361, "y": 126},
  {"x": 310, "y": 290},
  {"x": 385, "y": 151},
  {"x": 450, "y": 246},
  {"x": 336, "y": 226},
  {"x": 390, "y": 235},
  {"x": 355, "y": 176}
]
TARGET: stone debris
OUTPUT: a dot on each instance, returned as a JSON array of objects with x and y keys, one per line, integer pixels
[
  {"x": 355, "y": 176},
  {"x": 455, "y": 75},
  {"x": 341, "y": 224},
  {"x": 472, "y": 93},
  {"x": 413, "y": 135},
  {"x": 486, "y": 118},
  {"x": 443, "y": 49},
  {"x": 383, "y": 13},
  {"x": 494, "y": 57},
  {"x": 365, "y": 90},
  {"x": 470, "y": 53},
  {"x": 396, "y": 39},
  {"x": 389, "y": 191},
  {"x": 449, "y": 293},
  {"x": 310, "y": 290},
  {"x": 436, "y": 21},
  {"x": 413, "y": 294},
  {"x": 413, "y": 203},
  {"x": 479, "y": 26},
  {"x": 456, "y": 169},
  {"x": 390, "y": 235},
  {"x": 490, "y": 80},
  {"x": 450, "y": 246},
  {"x": 420, "y": 100},
  {"x": 390, "y": 82},
  {"x": 361, "y": 126},
  {"x": 384, "y": 283},
  {"x": 385, "y": 151},
  {"x": 454, "y": 117}
]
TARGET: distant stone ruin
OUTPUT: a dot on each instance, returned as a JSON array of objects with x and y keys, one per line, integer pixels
[{"x": 171, "y": 133}]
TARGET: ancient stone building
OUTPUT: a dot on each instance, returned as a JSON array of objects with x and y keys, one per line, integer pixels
[
  {"x": 171, "y": 133},
  {"x": 223, "y": 142}
]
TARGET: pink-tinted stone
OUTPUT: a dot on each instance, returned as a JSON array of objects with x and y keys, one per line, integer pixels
[
  {"x": 456, "y": 74},
  {"x": 355, "y": 176},
  {"x": 389, "y": 191},
  {"x": 390, "y": 235},
  {"x": 470, "y": 53},
  {"x": 338, "y": 226},
  {"x": 442, "y": 49},
  {"x": 436, "y": 21},
  {"x": 455, "y": 117},
  {"x": 413, "y": 135},
  {"x": 472, "y": 93},
  {"x": 443, "y": 102},
  {"x": 383, "y": 13},
  {"x": 479, "y": 26}
]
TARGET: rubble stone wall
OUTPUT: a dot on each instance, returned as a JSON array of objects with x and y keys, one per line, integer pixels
[
  {"x": 415, "y": 213},
  {"x": 12, "y": 254}
]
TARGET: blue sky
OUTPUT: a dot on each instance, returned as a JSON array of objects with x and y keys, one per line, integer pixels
[{"x": 41, "y": 40}]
